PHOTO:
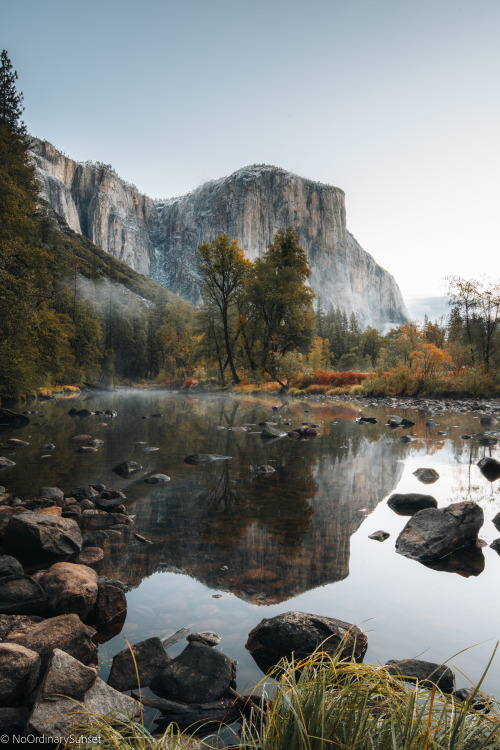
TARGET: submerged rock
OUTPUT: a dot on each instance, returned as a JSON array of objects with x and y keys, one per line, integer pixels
[{"x": 205, "y": 458}]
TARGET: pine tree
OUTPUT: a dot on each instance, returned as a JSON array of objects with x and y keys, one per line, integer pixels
[{"x": 11, "y": 102}]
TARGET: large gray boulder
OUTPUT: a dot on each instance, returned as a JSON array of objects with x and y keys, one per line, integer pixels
[
  {"x": 70, "y": 587},
  {"x": 434, "y": 533},
  {"x": 200, "y": 674},
  {"x": 299, "y": 634},
  {"x": 55, "y": 716},
  {"x": 19, "y": 670},
  {"x": 138, "y": 664},
  {"x": 35, "y": 533}
]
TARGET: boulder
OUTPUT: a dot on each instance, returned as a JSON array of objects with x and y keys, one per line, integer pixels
[
  {"x": 108, "y": 503},
  {"x": 435, "y": 533},
  {"x": 19, "y": 671},
  {"x": 70, "y": 588},
  {"x": 35, "y": 533},
  {"x": 200, "y": 674},
  {"x": 82, "y": 493},
  {"x": 126, "y": 468},
  {"x": 409, "y": 503},
  {"x": 55, "y": 716},
  {"x": 21, "y": 595},
  {"x": 150, "y": 659},
  {"x": 66, "y": 632},
  {"x": 110, "y": 605},
  {"x": 9, "y": 566},
  {"x": 6, "y": 463},
  {"x": 427, "y": 673},
  {"x": 299, "y": 634},
  {"x": 94, "y": 538},
  {"x": 16, "y": 622},
  {"x": 112, "y": 495},
  {"x": 489, "y": 468},
  {"x": 426, "y": 476}
]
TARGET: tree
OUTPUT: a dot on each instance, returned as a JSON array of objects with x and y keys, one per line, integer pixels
[
  {"x": 223, "y": 267},
  {"x": 11, "y": 107},
  {"x": 476, "y": 305},
  {"x": 277, "y": 295}
]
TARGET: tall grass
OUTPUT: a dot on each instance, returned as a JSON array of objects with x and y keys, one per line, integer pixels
[{"x": 323, "y": 703}]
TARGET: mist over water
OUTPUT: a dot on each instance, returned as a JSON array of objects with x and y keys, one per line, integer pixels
[{"x": 297, "y": 539}]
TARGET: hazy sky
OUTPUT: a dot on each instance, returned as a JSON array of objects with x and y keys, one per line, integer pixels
[{"x": 395, "y": 101}]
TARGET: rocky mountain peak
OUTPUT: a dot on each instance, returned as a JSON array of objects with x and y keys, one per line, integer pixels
[{"x": 160, "y": 238}]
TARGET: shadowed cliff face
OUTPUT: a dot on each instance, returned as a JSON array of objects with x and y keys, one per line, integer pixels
[{"x": 160, "y": 238}]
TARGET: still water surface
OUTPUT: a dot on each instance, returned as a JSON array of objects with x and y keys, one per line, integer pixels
[{"x": 295, "y": 540}]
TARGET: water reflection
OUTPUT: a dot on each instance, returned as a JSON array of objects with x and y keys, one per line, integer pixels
[{"x": 266, "y": 539}]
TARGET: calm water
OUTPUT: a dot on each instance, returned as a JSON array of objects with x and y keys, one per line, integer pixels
[{"x": 295, "y": 540}]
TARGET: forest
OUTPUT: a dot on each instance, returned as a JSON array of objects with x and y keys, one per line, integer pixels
[{"x": 70, "y": 313}]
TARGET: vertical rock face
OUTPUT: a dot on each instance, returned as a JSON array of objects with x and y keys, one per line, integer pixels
[
  {"x": 160, "y": 238},
  {"x": 95, "y": 202}
]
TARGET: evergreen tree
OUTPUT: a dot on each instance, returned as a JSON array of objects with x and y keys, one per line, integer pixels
[
  {"x": 11, "y": 102},
  {"x": 279, "y": 297}
]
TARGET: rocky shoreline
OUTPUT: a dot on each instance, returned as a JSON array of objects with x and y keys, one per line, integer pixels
[{"x": 55, "y": 609}]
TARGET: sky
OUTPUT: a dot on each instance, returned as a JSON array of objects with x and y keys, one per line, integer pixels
[{"x": 397, "y": 102}]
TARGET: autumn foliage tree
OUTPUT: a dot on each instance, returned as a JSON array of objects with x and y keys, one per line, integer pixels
[{"x": 223, "y": 266}]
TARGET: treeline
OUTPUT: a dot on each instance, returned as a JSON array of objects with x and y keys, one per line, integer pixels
[{"x": 68, "y": 311}]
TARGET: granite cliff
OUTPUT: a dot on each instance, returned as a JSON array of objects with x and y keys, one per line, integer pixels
[{"x": 159, "y": 238}]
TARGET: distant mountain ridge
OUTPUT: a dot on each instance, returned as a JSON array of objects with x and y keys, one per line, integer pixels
[{"x": 159, "y": 238}]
